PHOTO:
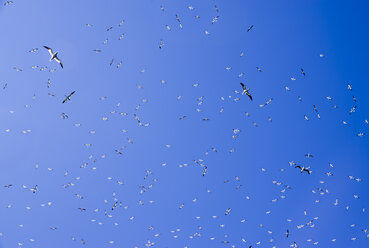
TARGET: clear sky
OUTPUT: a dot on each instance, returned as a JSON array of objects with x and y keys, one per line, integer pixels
[{"x": 124, "y": 167}]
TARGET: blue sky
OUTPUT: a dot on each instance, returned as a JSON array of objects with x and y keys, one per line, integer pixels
[{"x": 186, "y": 77}]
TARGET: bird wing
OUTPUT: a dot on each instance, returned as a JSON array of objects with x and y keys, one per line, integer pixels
[
  {"x": 50, "y": 50},
  {"x": 59, "y": 61},
  {"x": 249, "y": 95},
  {"x": 243, "y": 86}
]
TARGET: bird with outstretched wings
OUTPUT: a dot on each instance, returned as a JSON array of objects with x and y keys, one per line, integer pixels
[
  {"x": 246, "y": 91},
  {"x": 67, "y": 98},
  {"x": 302, "y": 169},
  {"x": 54, "y": 56}
]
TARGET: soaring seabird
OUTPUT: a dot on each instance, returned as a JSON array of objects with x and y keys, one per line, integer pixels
[
  {"x": 67, "y": 98},
  {"x": 54, "y": 56},
  {"x": 246, "y": 91},
  {"x": 302, "y": 169}
]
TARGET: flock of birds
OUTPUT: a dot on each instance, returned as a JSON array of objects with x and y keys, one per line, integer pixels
[{"x": 114, "y": 205}]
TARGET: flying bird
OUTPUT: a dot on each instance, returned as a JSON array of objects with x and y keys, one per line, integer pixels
[
  {"x": 67, "y": 98},
  {"x": 352, "y": 110},
  {"x": 228, "y": 210},
  {"x": 54, "y": 56},
  {"x": 64, "y": 116},
  {"x": 204, "y": 171},
  {"x": 7, "y": 3},
  {"x": 114, "y": 205},
  {"x": 180, "y": 24},
  {"x": 246, "y": 91},
  {"x": 35, "y": 189},
  {"x": 215, "y": 19},
  {"x": 250, "y": 28},
  {"x": 302, "y": 169}
]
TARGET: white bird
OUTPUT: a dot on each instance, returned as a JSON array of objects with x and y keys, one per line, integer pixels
[
  {"x": 246, "y": 91},
  {"x": 54, "y": 56}
]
